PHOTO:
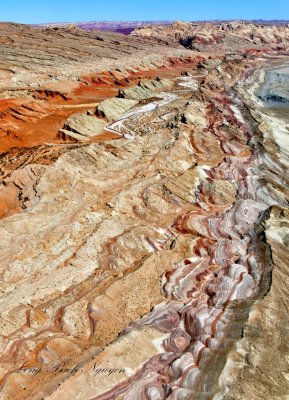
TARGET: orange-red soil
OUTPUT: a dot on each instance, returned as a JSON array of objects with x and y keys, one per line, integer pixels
[{"x": 29, "y": 122}]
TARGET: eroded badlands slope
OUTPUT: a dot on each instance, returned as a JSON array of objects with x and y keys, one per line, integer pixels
[
  {"x": 231, "y": 37},
  {"x": 152, "y": 265},
  {"x": 42, "y": 69},
  {"x": 49, "y": 75}
]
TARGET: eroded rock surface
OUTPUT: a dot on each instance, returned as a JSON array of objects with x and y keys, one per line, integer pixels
[
  {"x": 232, "y": 36},
  {"x": 153, "y": 266},
  {"x": 82, "y": 127},
  {"x": 44, "y": 71},
  {"x": 275, "y": 88},
  {"x": 145, "y": 89},
  {"x": 111, "y": 109}
]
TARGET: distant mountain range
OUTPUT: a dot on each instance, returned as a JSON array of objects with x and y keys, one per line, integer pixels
[{"x": 126, "y": 27}]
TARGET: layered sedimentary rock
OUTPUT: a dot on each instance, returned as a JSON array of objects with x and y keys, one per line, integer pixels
[
  {"x": 54, "y": 57},
  {"x": 81, "y": 127},
  {"x": 231, "y": 37},
  {"x": 275, "y": 88},
  {"x": 111, "y": 109},
  {"x": 44, "y": 71},
  {"x": 259, "y": 365},
  {"x": 153, "y": 266},
  {"x": 145, "y": 89}
]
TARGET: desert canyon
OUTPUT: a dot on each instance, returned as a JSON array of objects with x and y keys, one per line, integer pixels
[{"x": 144, "y": 212}]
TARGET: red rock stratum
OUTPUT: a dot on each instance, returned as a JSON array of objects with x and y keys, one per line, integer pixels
[{"x": 144, "y": 204}]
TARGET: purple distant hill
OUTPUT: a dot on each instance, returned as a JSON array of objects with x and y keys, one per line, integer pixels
[{"x": 125, "y": 27}]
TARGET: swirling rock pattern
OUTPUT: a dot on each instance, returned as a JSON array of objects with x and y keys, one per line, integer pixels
[{"x": 152, "y": 266}]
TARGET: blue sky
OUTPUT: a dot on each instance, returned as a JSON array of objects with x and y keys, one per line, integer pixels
[{"x": 37, "y": 11}]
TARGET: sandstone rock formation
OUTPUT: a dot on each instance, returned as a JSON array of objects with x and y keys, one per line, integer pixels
[
  {"x": 111, "y": 109},
  {"x": 145, "y": 89},
  {"x": 275, "y": 89},
  {"x": 153, "y": 266},
  {"x": 81, "y": 127},
  {"x": 42, "y": 69},
  {"x": 231, "y": 37}
]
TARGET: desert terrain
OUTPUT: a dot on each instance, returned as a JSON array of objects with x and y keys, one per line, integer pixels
[{"x": 144, "y": 212}]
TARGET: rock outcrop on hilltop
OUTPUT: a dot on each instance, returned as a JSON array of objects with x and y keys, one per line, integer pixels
[
  {"x": 144, "y": 240},
  {"x": 81, "y": 127},
  {"x": 232, "y": 37}
]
